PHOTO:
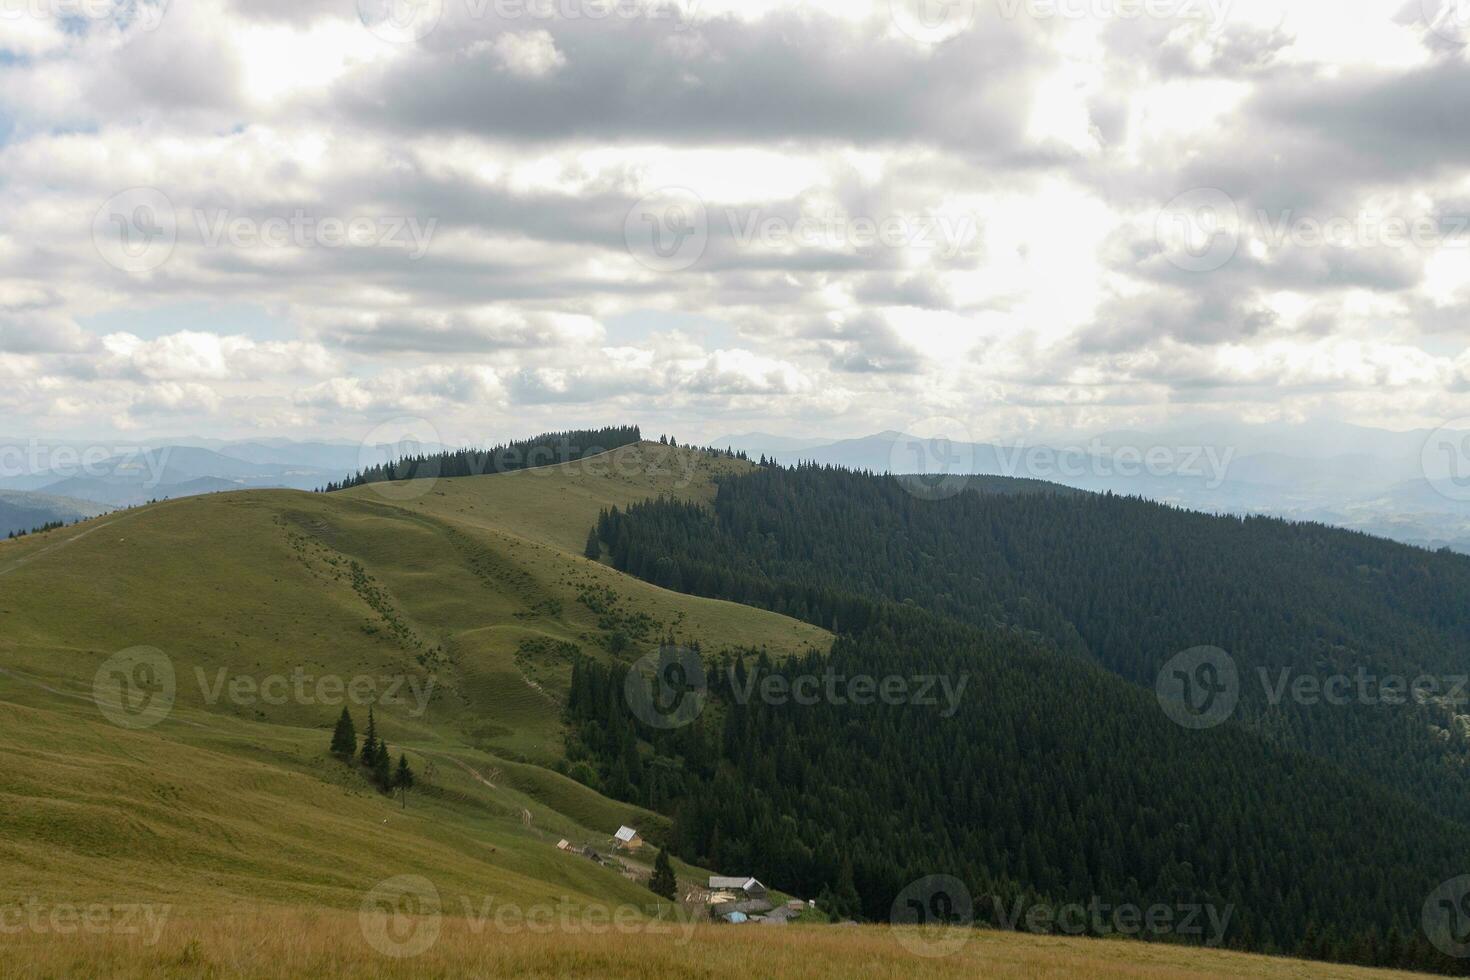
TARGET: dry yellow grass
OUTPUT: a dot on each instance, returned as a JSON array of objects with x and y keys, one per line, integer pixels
[{"x": 309, "y": 944}]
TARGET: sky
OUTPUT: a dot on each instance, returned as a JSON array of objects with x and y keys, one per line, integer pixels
[{"x": 307, "y": 218}]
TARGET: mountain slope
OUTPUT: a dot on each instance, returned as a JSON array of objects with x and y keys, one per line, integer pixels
[
  {"x": 252, "y": 586},
  {"x": 1029, "y": 595},
  {"x": 230, "y": 803},
  {"x": 1391, "y": 484}
]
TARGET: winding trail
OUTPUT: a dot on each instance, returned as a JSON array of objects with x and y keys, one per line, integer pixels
[
  {"x": 20, "y": 562},
  {"x": 474, "y": 773}
]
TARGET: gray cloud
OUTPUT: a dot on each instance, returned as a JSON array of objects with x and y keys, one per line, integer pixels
[
  {"x": 41, "y": 331},
  {"x": 530, "y": 160},
  {"x": 784, "y": 77},
  {"x": 453, "y": 333},
  {"x": 863, "y": 345},
  {"x": 921, "y": 290}
]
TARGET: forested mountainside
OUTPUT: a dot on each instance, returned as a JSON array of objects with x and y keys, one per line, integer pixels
[
  {"x": 1124, "y": 582},
  {"x": 1322, "y": 827}
]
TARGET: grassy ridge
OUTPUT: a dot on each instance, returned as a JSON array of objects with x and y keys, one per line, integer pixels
[
  {"x": 488, "y": 605},
  {"x": 231, "y": 815},
  {"x": 232, "y": 800}
]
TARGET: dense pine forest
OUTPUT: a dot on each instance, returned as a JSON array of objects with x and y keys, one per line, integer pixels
[
  {"x": 543, "y": 450},
  {"x": 1057, "y": 777},
  {"x": 1121, "y": 582}
]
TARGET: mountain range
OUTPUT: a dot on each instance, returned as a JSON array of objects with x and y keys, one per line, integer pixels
[
  {"x": 79, "y": 477},
  {"x": 1391, "y": 484},
  {"x": 1377, "y": 481}
]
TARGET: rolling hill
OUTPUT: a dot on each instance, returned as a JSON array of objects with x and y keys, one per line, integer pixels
[{"x": 223, "y": 812}]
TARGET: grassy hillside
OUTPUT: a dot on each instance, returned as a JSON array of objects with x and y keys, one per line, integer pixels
[
  {"x": 471, "y": 586},
  {"x": 237, "y": 790},
  {"x": 255, "y": 850},
  {"x": 317, "y": 945}
]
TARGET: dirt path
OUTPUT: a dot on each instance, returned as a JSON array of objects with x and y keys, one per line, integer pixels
[
  {"x": 474, "y": 773},
  {"x": 19, "y": 562}
]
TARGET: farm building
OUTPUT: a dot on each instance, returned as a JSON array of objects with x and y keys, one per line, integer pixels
[
  {"x": 752, "y": 906},
  {"x": 627, "y": 838},
  {"x": 747, "y": 887}
]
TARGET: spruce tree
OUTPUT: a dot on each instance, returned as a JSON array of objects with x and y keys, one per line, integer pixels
[
  {"x": 344, "y": 737},
  {"x": 403, "y": 779},
  {"x": 663, "y": 881},
  {"x": 383, "y": 768},
  {"x": 594, "y": 546},
  {"x": 370, "y": 741}
]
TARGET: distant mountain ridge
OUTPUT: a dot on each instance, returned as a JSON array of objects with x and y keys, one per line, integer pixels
[
  {"x": 127, "y": 475},
  {"x": 171, "y": 471},
  {"x": 21, "y": 512},
  {"x": 1376, "y": 481}
]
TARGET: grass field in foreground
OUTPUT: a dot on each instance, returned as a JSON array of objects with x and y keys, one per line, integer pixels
[{"x": 336, "y": 944}]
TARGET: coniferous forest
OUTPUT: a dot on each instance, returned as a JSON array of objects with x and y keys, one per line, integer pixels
[{"x": 1056, "y": 777}]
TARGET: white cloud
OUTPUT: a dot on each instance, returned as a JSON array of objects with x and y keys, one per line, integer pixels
[
  {"x": 194, "y": 355},
  {"x": 420, "y": 390},
  {"x": 527, "y": 54},
  {"x": 526, "y": 143},
  {"x": 173, "y": 398}
]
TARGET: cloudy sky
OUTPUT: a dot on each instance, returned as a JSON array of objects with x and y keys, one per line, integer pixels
[{"x": 306, "y": 217}]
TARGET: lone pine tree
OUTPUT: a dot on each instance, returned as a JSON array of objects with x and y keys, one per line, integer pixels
[{"x": 663, "y": 881}]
